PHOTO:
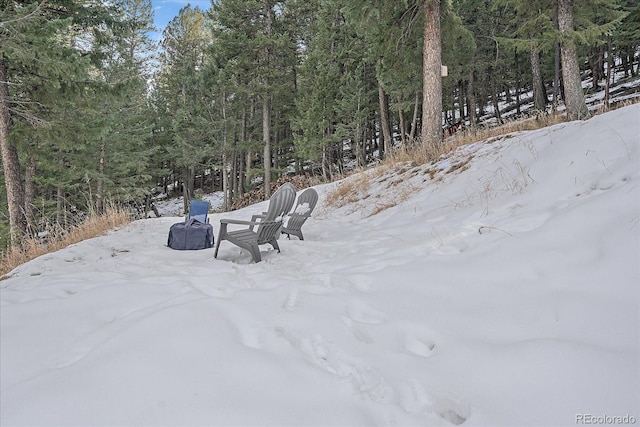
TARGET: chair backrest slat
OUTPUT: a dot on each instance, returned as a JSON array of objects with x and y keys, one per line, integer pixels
[
  {"x": 279, "y": 205},
  {"x": 281, "y": 202},
  {"x": 267, "y": 231},
  {"x": 306, "y": 202}
]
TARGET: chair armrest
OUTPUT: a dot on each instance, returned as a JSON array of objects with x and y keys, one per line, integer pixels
[
  {"x": 303, "y": 215},
  {"x": 238, "y": 222},
  {"x": 255, "y": 217}
]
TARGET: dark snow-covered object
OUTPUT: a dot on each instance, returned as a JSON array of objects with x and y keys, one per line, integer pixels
[{"x": 190, "y": 235}]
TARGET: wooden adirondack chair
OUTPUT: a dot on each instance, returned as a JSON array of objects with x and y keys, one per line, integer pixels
[
  {"x": 268, "y": 228},
  {"x": 304, "y": 206}
]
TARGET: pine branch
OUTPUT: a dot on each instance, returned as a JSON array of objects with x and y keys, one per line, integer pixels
[{"x": 25, "y": 17}]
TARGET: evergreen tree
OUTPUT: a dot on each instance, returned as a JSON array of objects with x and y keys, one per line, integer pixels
[
  {"x": 337, "y": 91},
  {"x": 531, "y": 30},
  {"x": 431, "y": 133},
  {"x": 574, "y": 97},
  {"x": 38, "y": 66},
  {"x": 626, "y": 38},
  {"x": 253, "y": 35},
  {"x": 123, "y": 113},
  {"x": 179, "y": 96}
]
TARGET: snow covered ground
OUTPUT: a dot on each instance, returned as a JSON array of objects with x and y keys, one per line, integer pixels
[
  {"x": 175, "y": 206},
  {"x": 498, "y": 287}
]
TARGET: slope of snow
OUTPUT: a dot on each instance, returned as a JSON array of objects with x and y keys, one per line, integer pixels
[{"x": 497, "y": 287}]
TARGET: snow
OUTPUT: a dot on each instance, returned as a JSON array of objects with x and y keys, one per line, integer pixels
[
  {"x": 175, "y": 206},
  {"x": 498, "y": 287},
  {"x": 302, "y": 209}
]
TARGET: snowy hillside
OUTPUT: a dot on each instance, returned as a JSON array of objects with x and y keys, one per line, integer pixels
[{"x": 499, "y": 287}]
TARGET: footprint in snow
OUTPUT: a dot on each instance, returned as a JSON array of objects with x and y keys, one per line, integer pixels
[
  {"x": 357, "y": 332},
  {"x": 417, "y": 339},
  {"x": 363, "y": 313},
  {"x": 292, "y": 301},
  {"x": 415, "y": 399},
  {"x": 419, "y": 346},
  {"x": 325, "y": 355}
]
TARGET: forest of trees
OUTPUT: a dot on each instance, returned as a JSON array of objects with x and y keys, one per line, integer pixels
[{"x": 94, "y": 111}]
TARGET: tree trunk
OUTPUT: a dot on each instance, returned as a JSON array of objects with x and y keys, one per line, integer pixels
[
  {"x": 187, "y": 186},
  {"x": 539, "y": 99},
  {"x": 360, "y": 140},
  {"x": 225, "y": 174},
  {"x": 266, "y": 112},
  {"x": 384, "y": 118},
  {"x": 360, "y": 147},
  {"x": 556, "y": 76},
  {"x": 100, "y": 183},
  {"x": 11, "y": 165},
  {"x": 608, "y": 76},
  {"x": 266, "y": 139},
  {"x": 517, "y": 67},
  {"x": 471, "y": 100},
  {"x": 556, "y": 61},
  {"x": 414, "y": 119},
  {"x": 431, "y": 133},
  {"x": 495, "y": 97},
  {"x": 596, "y": 63},
  {"x": 235, "y": 173},
  {"x": 401, "y": 126},
  {"x": 61, "y": 212},
  {"x": 30, "y": 192},
  {"x": 245, "y": 162},
  {"x": 574, "y": 97},
  {"x": 326, "y": 170},
  {"x": 460, "y": 97}
]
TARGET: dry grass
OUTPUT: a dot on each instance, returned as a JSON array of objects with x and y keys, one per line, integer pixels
[
  {"x": 350, "y": 190},
  {"x": 401, "y": 164},
  {"x": 418, "y": 155},
  {"x": 57, "y": 238},
  {"x": 401, "y": 161}
]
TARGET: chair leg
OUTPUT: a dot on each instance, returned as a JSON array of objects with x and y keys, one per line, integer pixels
[
  {"x": 255, "y": 253},
  {"x": 222, "y": 232},
  {"x": 274, "y": 243},
  {"x": 215, "y": 254}
]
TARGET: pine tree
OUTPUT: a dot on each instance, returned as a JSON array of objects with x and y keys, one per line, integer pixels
[
  {"x": 253, "y": 35},
  {"x": 431, "y": 133},
  {"x": 572, "y": 82},
  {"x": 178, "y": 95},
  {"x": 38, "y": 63},
  {"x": 123, "y": 112}
]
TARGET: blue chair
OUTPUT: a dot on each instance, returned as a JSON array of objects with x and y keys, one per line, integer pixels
[{"x": 199, "y": 209}]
